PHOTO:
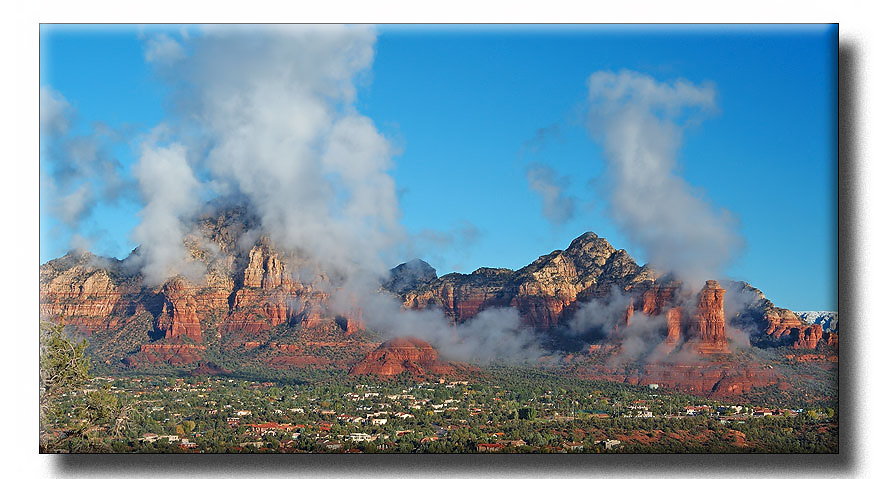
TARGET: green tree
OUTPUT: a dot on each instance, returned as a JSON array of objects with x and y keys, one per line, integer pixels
[
  {"x": 95, "y": 415},
  {"x": 526, "y": 413},
  {"x": 189, "y": 426},
  {"x": 63, "y": 365},
  {"x": 63, "y": 368}
]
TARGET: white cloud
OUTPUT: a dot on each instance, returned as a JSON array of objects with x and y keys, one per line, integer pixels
[
  {"x": 55, "y": 112},
  {"x": 270, "y": 114},
  {"x": 640, "y": 123},
  {"x": 558, "y": 207},
  {"x": 77, "y": 169},
  {"x": 171, "y": 195},
  {"x": 76, "y": 205},
  {"x": 163, "y": 49}
]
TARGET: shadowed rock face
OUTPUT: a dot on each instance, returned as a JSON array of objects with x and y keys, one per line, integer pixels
[
  {"x": 208, "y": 369},
  {"x": 399, "y": 355},
  {"x": 409, "y": 275}
]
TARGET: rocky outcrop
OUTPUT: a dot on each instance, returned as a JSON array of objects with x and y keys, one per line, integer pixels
[
  {"x": 700, "y": 327},
  {"x": 400, "y": 355},
  {"x": 88, "y": 292},
  {"x": 658, "y": 297},
  {"x": 831, "y": 339},
  {"x": 674, "y": 317},
  {"x": 265, "y": 268},
  {"x": 350, "y": 324},
  {"x": 179, "y": 316},
  {"x": 781, "y": 322},
  {"x": 713, "y": 380},
  {"x": 629, "y": 313},
  {"x": 807, "y": 338},
  {"x": 716, "y": 379},
  {"x": 461, "y": 296},
  {"x": 544, "y": 292},
  {"x": 773, "y": 326},
  {"x": 709, "y": 328},
  {"x": 209, "y": 369},
  {"x": 168, "y": 353},
  {"x": 270, "y": 296},
  {"x": 253, "y": 311}
]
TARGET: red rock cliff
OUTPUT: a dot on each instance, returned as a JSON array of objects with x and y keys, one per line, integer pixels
[
  {"x": 659, "y": 296},
  {"x": 674, "y": 317},
  {"x": 808, "y": 337},
  {"x": 708, "y": 331},
  {"x": 179, "y": 314},
  {"x": 86, "y": 291},
  {"x": 781, "y": 322},
  {"x": 543, "y": 292}
]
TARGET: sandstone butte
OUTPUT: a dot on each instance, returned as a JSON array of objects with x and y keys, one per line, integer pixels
[
  {"x": 251, "y": 289},
  {"x": 398, "y": 355}
]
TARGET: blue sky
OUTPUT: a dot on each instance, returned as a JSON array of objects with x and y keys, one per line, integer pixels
[{"x": 464, "y": 106}]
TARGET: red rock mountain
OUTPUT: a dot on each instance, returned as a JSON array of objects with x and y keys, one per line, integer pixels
[
  {"x": 545, "y": 292},
  {"x": 252, "y": 302},
  {"x": 399, "y": 355},
  {"x": 244, "y": 292}
]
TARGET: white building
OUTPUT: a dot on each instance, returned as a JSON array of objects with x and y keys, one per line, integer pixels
[
  {"x": 609, "y": 444},
  {"x": 360, "y": 437}
]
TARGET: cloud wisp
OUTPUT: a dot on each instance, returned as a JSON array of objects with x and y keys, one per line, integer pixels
[
  {"x": 640, "y": 122},
  {"x": 495, "y": 334},
  {"x": 170, "y": 192},
  {"x": 557, "y": 205},
  {"x": 78, "y": 170}
]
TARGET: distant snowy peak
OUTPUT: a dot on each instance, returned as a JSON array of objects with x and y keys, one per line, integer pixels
[{"x": 827, "y": 319}]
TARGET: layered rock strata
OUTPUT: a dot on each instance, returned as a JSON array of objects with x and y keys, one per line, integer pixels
[{"x": 544, "y": 292}]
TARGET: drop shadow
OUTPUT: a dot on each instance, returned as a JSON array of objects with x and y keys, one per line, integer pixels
[{"x": 849, "y": 183}]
